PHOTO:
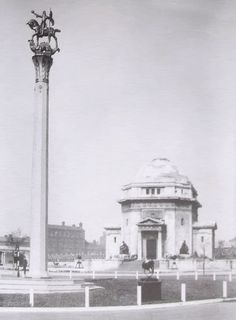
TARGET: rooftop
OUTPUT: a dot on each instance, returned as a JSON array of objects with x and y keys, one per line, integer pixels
[{"x": 160, "y": 170}]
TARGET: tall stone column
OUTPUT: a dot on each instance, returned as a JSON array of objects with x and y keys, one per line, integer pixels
[
  {"x": 39, "y": 197},
  {"x": 40, "y": 44}
]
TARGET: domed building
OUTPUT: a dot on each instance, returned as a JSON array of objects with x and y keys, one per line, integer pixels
[{"x": 159, "y": 216}]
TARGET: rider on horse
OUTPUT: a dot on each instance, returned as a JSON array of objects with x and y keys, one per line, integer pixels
[
  {"x": 42, "y": 29},
  {"x": 44, "y": 17}
]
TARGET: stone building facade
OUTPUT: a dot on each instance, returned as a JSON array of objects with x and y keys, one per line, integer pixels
[
  {"x": 160, "y": 215},
  {"x": 65, "y": 239}
]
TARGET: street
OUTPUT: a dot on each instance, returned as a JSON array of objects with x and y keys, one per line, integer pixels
[{"x": 214, "y": 311}]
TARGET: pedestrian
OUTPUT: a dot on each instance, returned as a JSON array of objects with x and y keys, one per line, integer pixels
[
  {"x": 25, "y": 263},
  {"x": 79, "y": 261},
  {"x": 16, "y": 257}
]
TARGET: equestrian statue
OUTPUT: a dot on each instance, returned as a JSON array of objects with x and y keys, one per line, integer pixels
[
  {"x": 43, "y": 29},
  {"x": 148, "y": 267}
]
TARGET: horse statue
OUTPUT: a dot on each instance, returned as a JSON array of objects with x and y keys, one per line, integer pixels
[
  {"x": 47, "y": 32},
  {"x": 124, "y": 249},
  {"x": 43, "y": 29},
  {"x": 148, "y": 266}
]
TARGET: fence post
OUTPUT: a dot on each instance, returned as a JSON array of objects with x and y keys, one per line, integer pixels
[
  {"x": 196, "y": 275},
  {"x": 230, "y": 277},
  {"x": 115, "y": 274},
  {"x": 214, "y": 276},
  {"x": 93, "y": 274},
  {"x": 86, "y": 297},
  {"x": 139, "y": 295},
  {"x": 70, "y": 275},
  {"x": 224, "y": 289},
  {"x": 177, "y": 275},
  {"x": 31, "y": 297},
  {"x": 158, "y": 274},
  {"x": 183, "y": 292},
  {"x": 136, "y": 275}
]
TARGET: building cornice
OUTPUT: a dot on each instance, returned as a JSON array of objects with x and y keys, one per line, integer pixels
[
  {"x": 212, "y": 226},
  {"x": 157, "y": 184},
  {"x": 160, "y": 199}
]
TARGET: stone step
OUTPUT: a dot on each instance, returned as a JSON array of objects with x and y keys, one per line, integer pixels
[
  {"x": 40, "y": 291},
  {"x": 40, "y": 285},
  {"x": 57, "y": 288},
  {"x": 39, "y": 282}
]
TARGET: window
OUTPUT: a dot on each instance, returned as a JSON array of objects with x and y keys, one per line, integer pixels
[
  {"x": 202, "y": 239},
  {"x": 158, "y": 190},
  {"x": 182, "y": 221},
  {"x": 153, "y": 191},
  {"x": 114, "y": 239},
  {"x": 147, "y": 191}
]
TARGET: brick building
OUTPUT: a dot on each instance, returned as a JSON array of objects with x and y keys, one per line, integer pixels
[
  {"x": 65, "y": 239},
  {"x": 64, "y": 244}
]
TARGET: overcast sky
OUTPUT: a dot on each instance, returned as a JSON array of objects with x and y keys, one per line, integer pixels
[{"x": 135, "y": 80}]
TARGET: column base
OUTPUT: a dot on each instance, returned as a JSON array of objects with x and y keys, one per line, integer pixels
[{"x": 43, "y": 275}]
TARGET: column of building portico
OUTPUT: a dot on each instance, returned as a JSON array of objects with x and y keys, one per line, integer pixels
[
  {"x": 159, "y": 245},
  {"x": 39, "y": 196},
  {"x": 139, "y": 245}
]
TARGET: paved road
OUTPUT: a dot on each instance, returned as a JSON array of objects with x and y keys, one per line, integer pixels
[{"x": 217, "y": 311}]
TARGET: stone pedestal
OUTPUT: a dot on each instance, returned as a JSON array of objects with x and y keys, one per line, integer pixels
[
  {"x": 151, "y": 289},
  {"x": 39, "y": 197}
]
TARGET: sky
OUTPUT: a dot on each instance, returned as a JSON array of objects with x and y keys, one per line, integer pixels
[{"x": 134, "y": 80}]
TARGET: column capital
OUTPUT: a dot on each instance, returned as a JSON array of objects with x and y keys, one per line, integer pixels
[{"x": 42, "y": 64}]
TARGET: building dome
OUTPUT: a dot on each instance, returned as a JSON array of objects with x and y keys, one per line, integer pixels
[{"x": 159, "y": 170}]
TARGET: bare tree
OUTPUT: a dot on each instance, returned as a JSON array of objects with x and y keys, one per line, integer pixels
[{"x": 15, "y": 239}]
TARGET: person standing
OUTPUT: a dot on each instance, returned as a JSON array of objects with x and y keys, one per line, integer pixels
[{"x": 25, "y": 263}]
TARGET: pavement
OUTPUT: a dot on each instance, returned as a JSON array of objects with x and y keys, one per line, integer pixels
[{"x": 212, "y": 311}]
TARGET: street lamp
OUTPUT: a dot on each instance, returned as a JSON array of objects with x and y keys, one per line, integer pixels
[{"x": 17, "y": 260}]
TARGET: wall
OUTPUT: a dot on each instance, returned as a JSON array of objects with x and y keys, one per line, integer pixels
[
  {"x": 183, "y": 232},
  {"x": 130, "y": 229},
  {"x": 113, "y": 243},
  {"x": 206, "y": 245},
  {"x": 169, "y": 218}
]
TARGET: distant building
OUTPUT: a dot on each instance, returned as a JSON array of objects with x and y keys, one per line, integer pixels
[
  {"x": 232, "y": 242},
  {"x": 65, "y": 239},
  {"x": 102, "y": 240},
  {"x": 160, "y": 216},
  {"x": 64, "y": 242},
  {"x": 7, "y": 250},
  {"x": 94, "y": 250},
  {"x": 226, "y": 249}
]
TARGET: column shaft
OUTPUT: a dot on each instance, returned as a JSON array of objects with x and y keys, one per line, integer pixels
[
  {"x": 39, "y": 197},
  {"x": 159, "y": 244}
]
